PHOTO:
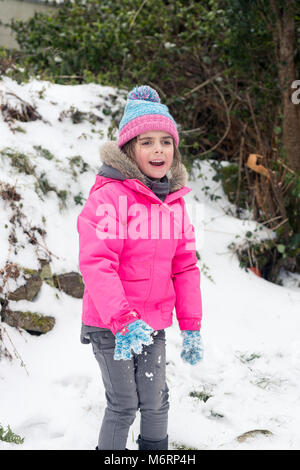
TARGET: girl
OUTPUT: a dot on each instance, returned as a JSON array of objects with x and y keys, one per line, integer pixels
[{"x": 136, "y": 270}]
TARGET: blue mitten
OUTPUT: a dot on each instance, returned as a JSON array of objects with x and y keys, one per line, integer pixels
[
  {"x": 133, "y": 336},
  {"x": 192, "y": 347}
]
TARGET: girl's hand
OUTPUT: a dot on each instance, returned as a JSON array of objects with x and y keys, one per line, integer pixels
[
  {"x": 192, "y": 347},
  {"x": 132, "y": 336}
]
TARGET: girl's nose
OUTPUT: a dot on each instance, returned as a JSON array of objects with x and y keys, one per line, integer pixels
[{"x": 158, "y": 147}]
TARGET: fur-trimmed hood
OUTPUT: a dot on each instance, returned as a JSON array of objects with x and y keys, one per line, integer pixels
[{"x": 123, "y": 167}]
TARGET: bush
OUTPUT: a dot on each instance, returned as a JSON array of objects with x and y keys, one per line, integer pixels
[{"x": 119, "y": 41}]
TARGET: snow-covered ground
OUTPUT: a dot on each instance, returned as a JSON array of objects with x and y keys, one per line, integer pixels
[{"x": 250, "y": 374}]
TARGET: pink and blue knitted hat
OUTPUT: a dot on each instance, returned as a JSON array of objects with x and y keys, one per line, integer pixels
[{"x": 144, "y": 113}]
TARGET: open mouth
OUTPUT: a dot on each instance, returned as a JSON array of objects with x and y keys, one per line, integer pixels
[{"x": 157, "y": 163}]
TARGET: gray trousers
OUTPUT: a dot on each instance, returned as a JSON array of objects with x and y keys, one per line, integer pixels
[{"x": 135, "y": 384}]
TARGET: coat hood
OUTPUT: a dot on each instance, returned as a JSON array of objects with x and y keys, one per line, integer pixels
[{"x": 117, "y": 165}]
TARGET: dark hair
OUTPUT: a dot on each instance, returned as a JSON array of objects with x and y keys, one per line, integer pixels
[{"x": 129, "y": 150}]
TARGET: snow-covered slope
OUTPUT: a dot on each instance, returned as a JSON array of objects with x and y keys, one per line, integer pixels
[{"x": 249, "y": 378}]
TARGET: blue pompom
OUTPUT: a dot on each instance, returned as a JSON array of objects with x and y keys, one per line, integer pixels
[{"x": 145, "y": 93}]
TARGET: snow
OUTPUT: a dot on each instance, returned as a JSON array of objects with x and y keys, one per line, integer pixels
[{"x": 250, "y": 329}]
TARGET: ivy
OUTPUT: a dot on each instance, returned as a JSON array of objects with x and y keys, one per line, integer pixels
[{"x": 7, "y": 435}]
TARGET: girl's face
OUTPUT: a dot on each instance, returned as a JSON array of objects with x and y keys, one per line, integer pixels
[{"x": 154, "y": 153}]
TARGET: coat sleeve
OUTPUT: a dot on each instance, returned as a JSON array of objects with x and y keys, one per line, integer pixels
[
  {"x": 186, "y": 279},
  {"x": 99, "y": 250}
]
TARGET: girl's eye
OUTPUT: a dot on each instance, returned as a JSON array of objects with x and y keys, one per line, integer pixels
[{"x": 149, "y": 142}]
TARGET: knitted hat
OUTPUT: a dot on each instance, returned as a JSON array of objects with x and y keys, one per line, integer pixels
[{"x": 143, "y": 113}]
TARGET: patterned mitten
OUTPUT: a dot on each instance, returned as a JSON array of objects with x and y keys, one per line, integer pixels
[
  {"x": 132, "y": 336},
  {"x": 192, "y": 347}
]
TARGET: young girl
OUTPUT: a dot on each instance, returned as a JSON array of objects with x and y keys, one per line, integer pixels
[{"x": 137, "y": 269}]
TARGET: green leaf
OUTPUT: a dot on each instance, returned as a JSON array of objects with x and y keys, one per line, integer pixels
[{"x": 277, "y": 130}]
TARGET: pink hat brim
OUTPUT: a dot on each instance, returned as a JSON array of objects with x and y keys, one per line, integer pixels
[{"x": 147, "y": 123}]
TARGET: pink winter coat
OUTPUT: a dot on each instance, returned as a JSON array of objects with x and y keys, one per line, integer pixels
[{"x": 136, "y": 253}]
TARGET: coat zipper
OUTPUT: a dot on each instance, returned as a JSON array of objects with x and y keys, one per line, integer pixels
[{"x": 149, "y": 292}]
